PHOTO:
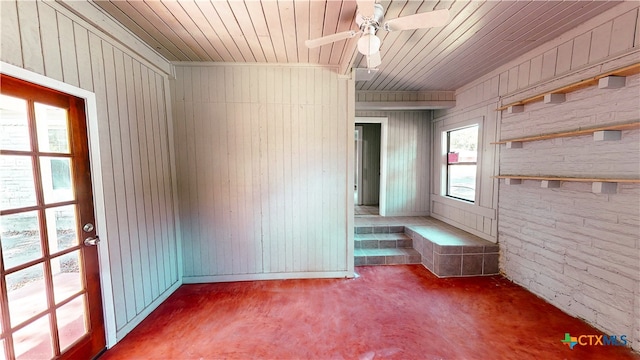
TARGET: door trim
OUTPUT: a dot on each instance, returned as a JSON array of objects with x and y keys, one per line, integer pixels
[
  {"x": 384, "y": 130},
  {"x": 93, "y": 136},
  {"x": 359, "y": 168}
]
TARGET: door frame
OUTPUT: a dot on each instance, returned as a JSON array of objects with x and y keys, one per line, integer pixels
[
  {"x": 359, "y": 169},
  {"x": 384, "y": 131},
  {"x": 93, "y": 136}
]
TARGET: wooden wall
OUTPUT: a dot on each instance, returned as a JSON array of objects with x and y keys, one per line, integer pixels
[
  {"x": 478, "y": 218},
  {"x": 135, "y": 213},
  {"x": 408, "y": 151},
  {"x": 262, "y": 171},
  {"x": 576, "y": 249}
]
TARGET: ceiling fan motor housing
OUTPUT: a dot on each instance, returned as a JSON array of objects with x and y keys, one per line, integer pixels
[{"x": 365, "y": 22}]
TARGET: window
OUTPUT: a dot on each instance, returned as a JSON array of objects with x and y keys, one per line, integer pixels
[{"x": 462, "y": 157}]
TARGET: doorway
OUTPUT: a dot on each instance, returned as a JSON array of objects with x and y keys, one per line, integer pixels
[
  {"x": 357, "y": 196},
  {"x": 50, "y": 297},
  {"x": 370, "y": 152}
]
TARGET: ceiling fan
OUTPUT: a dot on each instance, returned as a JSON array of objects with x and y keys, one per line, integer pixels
[{"x": 369, "y": 19}]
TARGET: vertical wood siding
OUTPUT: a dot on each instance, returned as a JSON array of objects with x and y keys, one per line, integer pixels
[
  {"x": 262, "y": 171},
  {"x": 140, "y": 231},
  {"x": 408, "y": 152}
]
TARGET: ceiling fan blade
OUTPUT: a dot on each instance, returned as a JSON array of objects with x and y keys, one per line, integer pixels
[
  {"x": 425, "y": 20},
  {"x": 373, "y": 61},
  {"x": 330, "y": 38},
  {"x": 366, "y": 7}
]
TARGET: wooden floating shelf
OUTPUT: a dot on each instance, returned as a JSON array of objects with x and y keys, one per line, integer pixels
[
  {"x": 625, "y": 71},
  {"x": 574, "y": 179},
  {"x": 579, "y": 132}
]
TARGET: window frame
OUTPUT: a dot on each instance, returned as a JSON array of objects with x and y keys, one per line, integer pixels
[{"x": 445, "y": 148}]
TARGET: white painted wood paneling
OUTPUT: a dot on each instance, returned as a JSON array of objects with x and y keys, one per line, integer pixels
[
  {"x": 623, "y": 32},
  {"x": 262, "y": 175},
  {"x": 51, "y": 44},
  {"x": 407, "y": 163},
  {"x": 481, "y": 35},
  {"x": 563, "y": 62},
  {"x": 478, "y": 218},
  {"x": 10, "y": 34},
  {"x": 138, "y": 229}
]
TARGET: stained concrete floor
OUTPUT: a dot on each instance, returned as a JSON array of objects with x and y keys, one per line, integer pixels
[{"x": 394, "y": 312}]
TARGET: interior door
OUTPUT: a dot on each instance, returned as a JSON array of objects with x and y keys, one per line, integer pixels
[{"x": 50, "y": 299}]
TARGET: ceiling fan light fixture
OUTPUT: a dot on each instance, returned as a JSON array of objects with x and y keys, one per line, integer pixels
[{"x": 369, "y": 44}]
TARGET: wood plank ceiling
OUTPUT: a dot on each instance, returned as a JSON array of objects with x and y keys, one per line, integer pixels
[{"x": 481, "y": 35}]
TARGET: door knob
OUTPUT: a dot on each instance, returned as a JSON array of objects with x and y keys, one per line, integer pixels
[{"x": 92, "y": 241}]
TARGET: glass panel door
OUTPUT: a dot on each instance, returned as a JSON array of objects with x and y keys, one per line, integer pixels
[{"x": 49, "y": 288}]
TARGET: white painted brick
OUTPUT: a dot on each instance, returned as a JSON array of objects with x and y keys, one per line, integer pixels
[
  {"x": 568, "y": 219},
  {"x": 533, "y": 245},
  {"x": 581, "y": 311},
  {"x": 629, "y": 260},
  {"x": 588, "y": 212},
  {"x": 580, "y": 276},
  {"x": 555, "y": 247},
  {"x": 618, "y": 299},
  {"x": 612, "y": 228},
  {"x": 568, "y": 236},
  {"x": 583, "y": 257},
  {"x": 631, "y": 189},
  {"x": 603, "y": 308},
  {"x": 611, "y": 317},
  {"x": 603, "y": 235},
  {"x": 610, "y": 276},
  {"x": 548, "y": 263},
  {"x": 574, "y": 262},
  {"x": 613, "y": 247},
  {"x": 551, "y": 241},
  {"x": 536, "y": 220},
  {"x": 625, "y": 219},
  {"x": 612, "y": 324},
  {"x": 543, "y": 288},
  {"x": 521, "y": 274}
]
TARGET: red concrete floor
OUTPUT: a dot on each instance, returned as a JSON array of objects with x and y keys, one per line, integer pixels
[{"x": 395, "y": 312}]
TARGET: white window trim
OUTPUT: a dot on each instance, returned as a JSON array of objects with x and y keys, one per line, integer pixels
[{"x": 443, "y": 157}]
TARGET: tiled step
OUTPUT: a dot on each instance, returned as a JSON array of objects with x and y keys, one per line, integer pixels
[
  {"x": 382, "y": 241},
  {"x": 379, "y": 229},
  {"x": 448, "y": 251},
  {"x": 386, "y": 256}
]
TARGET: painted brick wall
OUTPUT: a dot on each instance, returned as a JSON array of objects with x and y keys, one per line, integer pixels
[{"x": 578, "y": 250}]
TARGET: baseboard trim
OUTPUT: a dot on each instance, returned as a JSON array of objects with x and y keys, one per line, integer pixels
[
  {"x": 267, "y": 276},
  {"x": 121, "y": 333}
]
